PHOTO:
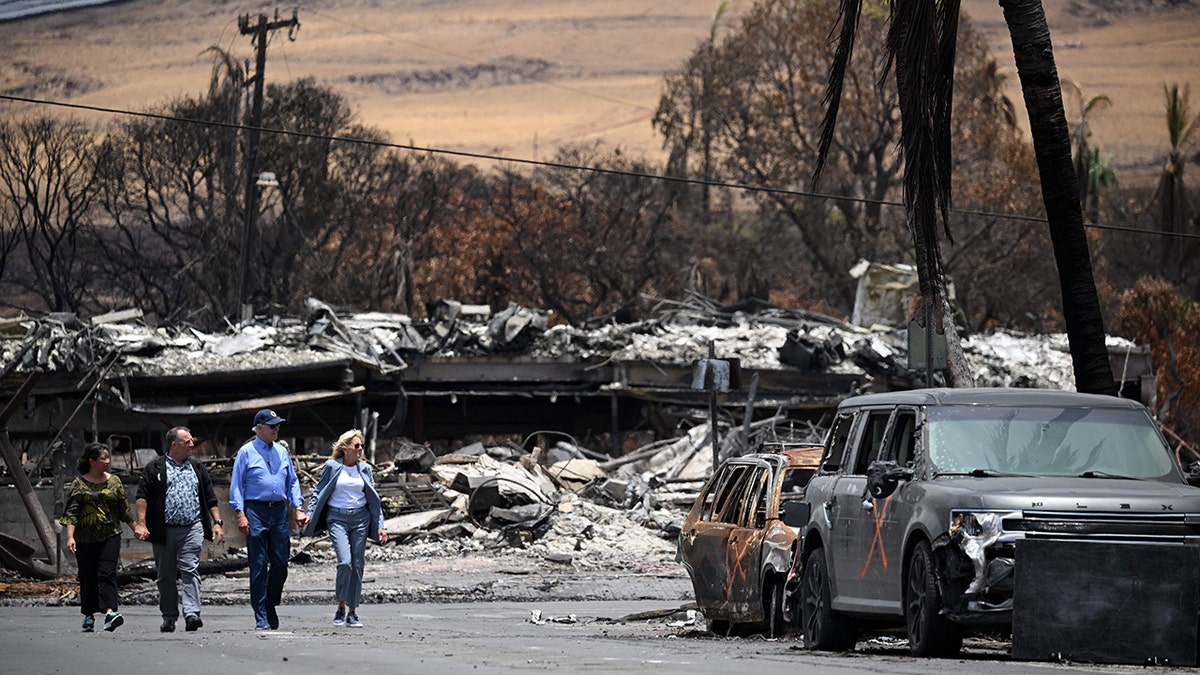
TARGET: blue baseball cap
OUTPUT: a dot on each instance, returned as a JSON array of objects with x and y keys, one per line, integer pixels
[{"x": 267, "y": 416}]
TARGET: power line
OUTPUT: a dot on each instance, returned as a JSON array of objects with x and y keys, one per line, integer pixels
[{"x": 570, "y": 167}]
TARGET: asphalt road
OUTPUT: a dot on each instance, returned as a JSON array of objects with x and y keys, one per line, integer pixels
[{"x": 494, "y": 637}]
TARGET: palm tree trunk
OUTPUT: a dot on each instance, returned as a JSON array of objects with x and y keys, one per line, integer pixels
[{"x": 1040, "y": 85}]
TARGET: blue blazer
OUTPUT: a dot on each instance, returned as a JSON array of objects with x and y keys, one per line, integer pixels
[{"x": 319, "y": 499}]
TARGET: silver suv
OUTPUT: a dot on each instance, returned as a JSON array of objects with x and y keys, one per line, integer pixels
[{"x": 924, "y": 498}]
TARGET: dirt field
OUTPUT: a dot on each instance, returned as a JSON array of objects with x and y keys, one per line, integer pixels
[{"x": 520, "y": 79}]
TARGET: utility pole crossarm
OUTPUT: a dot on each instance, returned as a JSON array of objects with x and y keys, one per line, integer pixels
[{"x": 263, "y": 26}]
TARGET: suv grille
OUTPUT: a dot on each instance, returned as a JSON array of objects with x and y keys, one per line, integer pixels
[{"x": 1166, "y": 528}]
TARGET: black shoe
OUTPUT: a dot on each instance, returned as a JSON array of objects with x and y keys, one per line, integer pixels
[
  {"x": 168, "y": 626},
  {"x": 112, "y": 621},
  {"x": 272, "y": 617},
  {"x": 89, "y": 623},
  {"x": 191, "y": 622}
]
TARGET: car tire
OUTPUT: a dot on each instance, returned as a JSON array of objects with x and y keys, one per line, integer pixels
[
  {"x": 775, "y": 623},
  {"x": 929, "y": 632},
  {"x": 824, "y": 629}
]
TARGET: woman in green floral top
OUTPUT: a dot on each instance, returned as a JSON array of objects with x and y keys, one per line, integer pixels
[{"x": 95, "y": 510}]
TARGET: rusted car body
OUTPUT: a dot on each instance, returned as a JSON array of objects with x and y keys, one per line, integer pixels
[
  {"x": 924, "y": 500},
  {"x": 739, "y": 539}
]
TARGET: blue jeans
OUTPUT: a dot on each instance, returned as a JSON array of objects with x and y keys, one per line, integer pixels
[
  {"x": 348, "y": 531},
  {"x": 267, "y": 547}
]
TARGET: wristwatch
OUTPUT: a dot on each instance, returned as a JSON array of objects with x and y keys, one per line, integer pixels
[{"x": 220, "y": 522}]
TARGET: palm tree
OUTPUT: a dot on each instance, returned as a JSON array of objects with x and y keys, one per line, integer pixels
[
  {"x": 1030, "y": 35},
  {"x": 1170, "y": 196},
  {"x": 1100, "y": 177},
  {"x": 922, "y": 45},
  {"x": 1079, "y": 138},
  {"x": 998, "y": 99}
]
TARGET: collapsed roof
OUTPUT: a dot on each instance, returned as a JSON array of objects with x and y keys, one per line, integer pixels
[
  {"x": 764, "y": 338},
  {"x": 512, "y": 363}
]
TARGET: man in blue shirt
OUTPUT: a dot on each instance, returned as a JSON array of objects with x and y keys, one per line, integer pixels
[{"x": 262, "y": 491}]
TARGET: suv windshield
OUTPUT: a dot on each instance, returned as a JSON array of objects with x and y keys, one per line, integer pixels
[{"x": 1043, "y": 441}]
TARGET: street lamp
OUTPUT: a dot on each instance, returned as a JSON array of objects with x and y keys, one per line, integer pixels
[{"x": 264, "y": 179}]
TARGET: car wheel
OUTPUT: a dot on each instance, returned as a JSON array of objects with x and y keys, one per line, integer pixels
[
  {"x": 824, "y": 629},
  {"x": 929, "y": 633},
  {"x": 776, "y": 624}
]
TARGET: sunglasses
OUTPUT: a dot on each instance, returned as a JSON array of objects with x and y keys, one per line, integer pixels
[
  {"x": 272, "y": 426},
  {"x": 357, "y": 445}
]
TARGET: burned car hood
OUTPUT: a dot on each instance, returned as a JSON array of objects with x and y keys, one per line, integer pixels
[{"x": 1066, "y": 493}]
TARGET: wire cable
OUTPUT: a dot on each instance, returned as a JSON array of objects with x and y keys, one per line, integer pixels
[{"x": 568, "y": 167}]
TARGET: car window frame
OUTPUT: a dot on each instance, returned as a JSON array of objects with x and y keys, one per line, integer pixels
[
  {"x": 756, "y": 497},
  {"x": 730, "y": 494},
  {"x": 894, "y": 436},
  {"x": 838, "y": 445},
  {"x": 870, "y": 447},
  {"x": 715, "y": 486}
]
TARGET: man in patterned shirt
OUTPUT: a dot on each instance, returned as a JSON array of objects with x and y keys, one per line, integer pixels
[{"x": 176, "y": 511}]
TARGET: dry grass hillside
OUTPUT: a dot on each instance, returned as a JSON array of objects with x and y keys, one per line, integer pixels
[{"x": 521, "y": 78}]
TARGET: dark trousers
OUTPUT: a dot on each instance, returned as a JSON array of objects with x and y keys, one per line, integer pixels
[
  {"x": 97, "y": 562},
  {"x": 267, "y": 547}
]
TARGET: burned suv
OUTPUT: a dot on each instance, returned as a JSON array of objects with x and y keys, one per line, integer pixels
[
  {"x": 739, "y": 539},
  {"x": 934, "y": 509}
]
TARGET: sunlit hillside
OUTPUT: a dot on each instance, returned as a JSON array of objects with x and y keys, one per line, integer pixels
[{"x": 520, "y": 79}]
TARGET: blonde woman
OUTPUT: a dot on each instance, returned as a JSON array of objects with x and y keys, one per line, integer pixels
[{"x": 346, "y": 504}]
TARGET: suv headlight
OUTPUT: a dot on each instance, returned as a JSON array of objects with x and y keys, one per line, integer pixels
[
  {"x": 977, "y": 524},
  {"x": 977, "y": 531}
]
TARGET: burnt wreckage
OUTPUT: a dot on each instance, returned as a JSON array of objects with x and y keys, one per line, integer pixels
[
  {"x": 463, "y": 371},
  {"x": 466, "y": 370}
]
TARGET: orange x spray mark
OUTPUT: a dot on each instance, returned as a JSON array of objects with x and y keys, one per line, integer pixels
[
  {"x": 877, "y": 540},
  {"x": 738, "y": 573}
]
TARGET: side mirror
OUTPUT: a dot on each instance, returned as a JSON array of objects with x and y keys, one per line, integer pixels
[
  {"x": 884, "y": 477},
  {"x": 794, "y": 514}
]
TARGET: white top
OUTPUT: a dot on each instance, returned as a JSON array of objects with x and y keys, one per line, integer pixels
[{"x": 349, "y": 491}]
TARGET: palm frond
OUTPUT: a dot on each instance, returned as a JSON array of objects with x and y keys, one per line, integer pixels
[{"x": 850, "y": 11}]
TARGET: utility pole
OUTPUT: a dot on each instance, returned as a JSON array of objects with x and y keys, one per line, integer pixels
[{"x": 259, "y": 32}]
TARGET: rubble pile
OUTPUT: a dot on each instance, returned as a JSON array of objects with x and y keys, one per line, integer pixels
[
  {"x": 566, "y": 504},
  {"x": 765, "y": 337},
  {"x": 531, "y": 519}
]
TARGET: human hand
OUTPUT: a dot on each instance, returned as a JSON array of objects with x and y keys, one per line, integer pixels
[
  {"x": 71, "y": 544},
  {"x": 218, "y": 534},
  {"x": 243, "y": 523},
  {"x": 301, "y": 519},
  {"x": 141, "y": 532},
  {"x": 382, "y": 536}
]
